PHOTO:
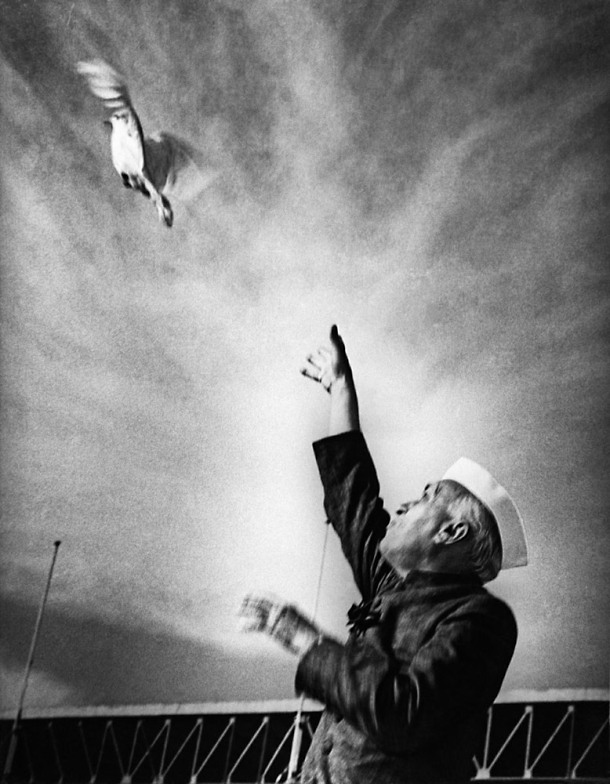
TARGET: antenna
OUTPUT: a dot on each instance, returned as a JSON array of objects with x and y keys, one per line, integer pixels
[{"x": 8, "y": 764}]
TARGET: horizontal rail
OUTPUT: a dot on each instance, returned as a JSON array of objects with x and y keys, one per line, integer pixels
[{"x": 270, "y": 706}]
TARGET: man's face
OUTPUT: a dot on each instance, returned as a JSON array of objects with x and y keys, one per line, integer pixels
[{"x": 409, "y": 538}]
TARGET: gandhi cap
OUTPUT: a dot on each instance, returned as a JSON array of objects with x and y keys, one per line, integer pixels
[{"x": 483, "y": 486}]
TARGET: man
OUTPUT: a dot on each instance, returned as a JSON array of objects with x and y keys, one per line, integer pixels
[{"x": 406, "y": 696}]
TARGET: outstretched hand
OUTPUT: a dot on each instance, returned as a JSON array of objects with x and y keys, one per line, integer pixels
[
  {"x": 284, "y": 622},
  {"x": 328, "y": 365}
]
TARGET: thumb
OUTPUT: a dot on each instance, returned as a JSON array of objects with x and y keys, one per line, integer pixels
[{"x": 335, "y": 337}]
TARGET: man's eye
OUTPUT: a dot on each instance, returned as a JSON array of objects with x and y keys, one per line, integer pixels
[{"x": 430, "y": 492}]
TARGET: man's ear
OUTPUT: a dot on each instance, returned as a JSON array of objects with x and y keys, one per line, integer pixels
[{"x": 451, "y": 531}]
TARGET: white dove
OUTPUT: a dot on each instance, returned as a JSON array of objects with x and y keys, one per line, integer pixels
[{"x": 152, "y": 164}]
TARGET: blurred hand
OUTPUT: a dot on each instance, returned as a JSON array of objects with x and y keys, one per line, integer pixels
[
  {"x": 284, "y": 622},
  {"x": 328, "y": 365}
]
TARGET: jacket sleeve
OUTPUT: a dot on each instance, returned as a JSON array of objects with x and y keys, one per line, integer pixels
[
  {"x": 353, "y": 506},
  {"x": 403, "y": 706}
]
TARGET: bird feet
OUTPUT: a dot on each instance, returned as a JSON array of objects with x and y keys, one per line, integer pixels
[{"x": 166, "y": 214}]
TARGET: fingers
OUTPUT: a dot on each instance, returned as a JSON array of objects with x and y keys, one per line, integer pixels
[
  {"x": 263, "y": 614},
  {"x": 326, "y": 365},
  {"x": 283, "y": 622},
  {"x": 294, "y": 631},
  {"x": 308, "y": 372},
  {"x": 317, "y": 367},
  {"x": 288, "y": 628},
  {"x": 320, "y": 358},
  {"x": 312, "y": 365},
  {"x": 318, "y": 376},
  {"x": 255, "y": 613}
]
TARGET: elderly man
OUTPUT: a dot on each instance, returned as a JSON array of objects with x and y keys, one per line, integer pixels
[{"x": 406, "y": 696}]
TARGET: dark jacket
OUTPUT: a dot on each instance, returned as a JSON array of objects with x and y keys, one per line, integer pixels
[{"x": 406, "y": 697}]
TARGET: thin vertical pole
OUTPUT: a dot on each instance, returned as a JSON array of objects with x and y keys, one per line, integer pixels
[
  {"x": 8, "y": 764},
  {"x": 297, "y": 737}
]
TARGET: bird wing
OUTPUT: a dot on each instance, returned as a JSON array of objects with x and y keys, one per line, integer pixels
[
  {"x": 106, "y": 83},
  {"x": 127, "y": 139},
  {"x": 176, "y": 167}
]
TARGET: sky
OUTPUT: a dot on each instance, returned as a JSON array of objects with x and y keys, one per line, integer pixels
[{"x": 433, "y": 178}]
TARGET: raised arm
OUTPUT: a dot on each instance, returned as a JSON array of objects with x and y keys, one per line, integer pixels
[
  {"x": 351, "y": 489},
  {"x": 331, "y": 368}
]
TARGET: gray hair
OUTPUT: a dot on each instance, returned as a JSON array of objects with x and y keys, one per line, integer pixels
[{"x": 486, "y": 548}]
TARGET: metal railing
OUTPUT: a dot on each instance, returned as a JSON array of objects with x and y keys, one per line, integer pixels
[{"x": 559, "y": 740}]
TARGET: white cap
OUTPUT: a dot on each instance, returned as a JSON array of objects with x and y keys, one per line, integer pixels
[{"x": 483, "y": 486}]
